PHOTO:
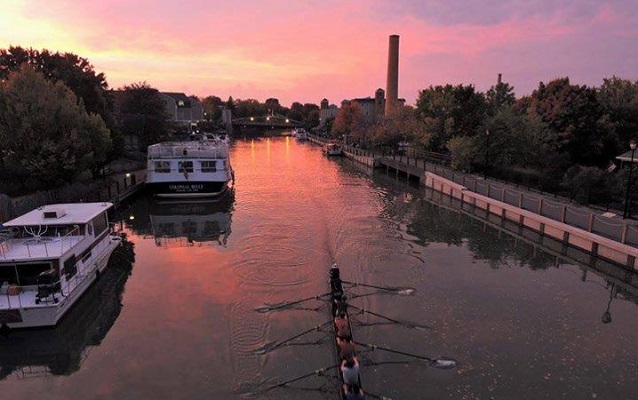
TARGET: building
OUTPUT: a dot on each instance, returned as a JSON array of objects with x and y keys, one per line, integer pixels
[
  {"x": 327, "y": 111},
  {"x": 182, "y": 109}
]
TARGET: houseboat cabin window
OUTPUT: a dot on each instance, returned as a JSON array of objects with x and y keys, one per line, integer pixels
[
  {"x": 86, "y": 254},
  {"x": 27, "y": 274},
  {"x": 163, "y": 166},
  {"x": 185, "y": 166},
  {"x": 209, "y": 166},
  {"x": 70, "y": 267},
  {"x": 100, "y": 224}
]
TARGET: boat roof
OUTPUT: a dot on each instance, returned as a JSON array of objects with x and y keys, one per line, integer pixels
[{"x": 60, "y": 214}]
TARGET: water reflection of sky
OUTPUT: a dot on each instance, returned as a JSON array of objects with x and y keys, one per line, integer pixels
[{"x": 523, "y": 321}]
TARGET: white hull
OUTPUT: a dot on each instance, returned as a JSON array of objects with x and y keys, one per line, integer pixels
[{"x": 49, "y": 313}]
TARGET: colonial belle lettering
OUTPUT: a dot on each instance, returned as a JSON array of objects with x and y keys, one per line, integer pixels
[{"x": 186, "y": 188}]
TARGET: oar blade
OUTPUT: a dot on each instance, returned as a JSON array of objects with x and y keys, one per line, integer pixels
[
  {"x": 268, "y": 347},
  {"x": 444, "y": 363}
]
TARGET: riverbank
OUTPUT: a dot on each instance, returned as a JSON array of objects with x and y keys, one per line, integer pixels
[{"x": 122, "y": 179}]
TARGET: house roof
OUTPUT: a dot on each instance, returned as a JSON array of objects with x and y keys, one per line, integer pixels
[{"x": 181, "y": 99}]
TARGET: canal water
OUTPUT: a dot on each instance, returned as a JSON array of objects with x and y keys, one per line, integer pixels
[{"x": 177, "y": 316}]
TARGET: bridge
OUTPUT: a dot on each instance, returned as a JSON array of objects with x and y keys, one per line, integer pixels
[{"x": 270, "y": 121}]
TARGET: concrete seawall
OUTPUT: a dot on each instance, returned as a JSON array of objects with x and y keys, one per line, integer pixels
[{"x": 596, "y": 245}]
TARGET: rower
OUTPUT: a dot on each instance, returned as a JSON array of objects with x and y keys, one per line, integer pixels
[
  {"x": 353, "y": 392},
  {"x": 346, "y": 348},
  {"x": 342, "y": 326},
  {"x": 350, "y": 371}
]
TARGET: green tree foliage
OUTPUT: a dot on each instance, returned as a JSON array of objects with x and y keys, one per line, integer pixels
[
  {"x": 310, "y": 115},
  {"x": 401, "y": 126},
  {"x": 296, "y": 111},
  {"x": 212, "y": 106},
  {"x": 587, "y": 184},
  {"x": 249, "y": 108},
  {"x": 572, "y": 113},
  {"x": 48, "y": 137},
  {"x": 465, "y": 152},
  {"x": 449, "y": 111},
  {"x": 499, "y": 96},
  {"x": 273, "y": 105},
  {"x": 350, "y": 123},
  {"x": 74, "y": 71},
  {"x": 619, "y": 101},
  {"x": 143, "y": 113}
]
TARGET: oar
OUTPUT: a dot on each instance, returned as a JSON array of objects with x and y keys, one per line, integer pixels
[
  {"x": 289, "y": 381},
  {"x": 442, "y": 363},
  {"x": 404, "y": 323},
  {"x": 405, "y": 291},
  {"x": 272, "y": 346},
  {"x": 278, "y": 306}
]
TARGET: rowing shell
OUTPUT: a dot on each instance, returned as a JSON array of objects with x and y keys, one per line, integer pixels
[{"x": 338, "y": 304}]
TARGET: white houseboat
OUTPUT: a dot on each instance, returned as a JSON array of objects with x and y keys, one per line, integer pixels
[
  {"x": 48, "y": 259},
  {"x": 199, "y": 167}
]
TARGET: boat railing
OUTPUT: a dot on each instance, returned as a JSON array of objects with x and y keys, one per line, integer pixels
[
  {"x": 163, "y": 152},
  {"x": 84, "y": 269},
  {"x": 49, "y": 242},
  {"x": 67, "y": 286}
]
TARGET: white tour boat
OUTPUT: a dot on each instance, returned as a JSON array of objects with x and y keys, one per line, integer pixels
[
  {"x": 199, "y": 167},
  {"x": 48, "y": 259}
]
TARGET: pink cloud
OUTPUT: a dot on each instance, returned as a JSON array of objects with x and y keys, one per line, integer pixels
[{"x": 307, "y": 50}]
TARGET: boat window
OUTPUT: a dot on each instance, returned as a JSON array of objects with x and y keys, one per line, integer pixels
[
  {"x": 89, "y": 228},
  {"x": 70, "y": 267},
  {"x": 86, "y": 254},
  {"x": 209, "y": 166},
  {"x": 185, "y": 166},
  {"x": 100, "y": 224},
  {"x": 27, "y": 273},
  {"x": 162, "y": 166}
]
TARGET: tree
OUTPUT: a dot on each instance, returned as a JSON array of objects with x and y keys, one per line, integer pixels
[
  {"x": 249, "y": 108},
  {"x": 143, "y": 113},
  {"x": 296, "y": 111},
  {"x": 401, "y": 126},
  {"x": 449, "y": 111},
  {"x": 619, "y": 101},
  {"x": 310, "y": 115},
  {"x": 212, "y": 106},
  {"x": 48, "y": 137},
  {"x": 349, "y": 122},
  {"x": 273, "y": 105},
  {"x": 499, "y": 96},
  {"x": 75, "y": 72},
  {"x": 573, "y": 114}
]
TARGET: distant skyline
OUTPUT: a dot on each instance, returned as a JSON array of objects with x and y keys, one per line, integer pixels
[{"x": 308, "y": 50}]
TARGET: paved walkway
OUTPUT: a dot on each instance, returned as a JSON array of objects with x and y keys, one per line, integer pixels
[{"x": 609, "y": 224}]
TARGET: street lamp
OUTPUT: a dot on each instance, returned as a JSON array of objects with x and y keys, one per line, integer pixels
[
  {"x": 487, "y": 152},
  {"x": 632, "y": 145}
]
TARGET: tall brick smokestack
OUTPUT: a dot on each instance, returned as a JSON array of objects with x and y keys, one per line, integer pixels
[{"x": 392, "y": 84}]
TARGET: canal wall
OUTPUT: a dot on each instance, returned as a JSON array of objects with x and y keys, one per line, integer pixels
[
  {"x": 114, "y": 188},
  {"x": 589, "y": 242}
]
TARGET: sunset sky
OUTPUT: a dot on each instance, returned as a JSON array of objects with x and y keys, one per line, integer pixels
[{"x": 306, "y": 50}]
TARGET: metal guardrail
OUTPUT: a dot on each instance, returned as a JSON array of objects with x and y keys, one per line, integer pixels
[{"x": 558, "y": 209}]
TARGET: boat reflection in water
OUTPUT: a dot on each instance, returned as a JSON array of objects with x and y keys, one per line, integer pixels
[
  {"x": 183, "y": 223},
  {"x": 60, "y": 350}
]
